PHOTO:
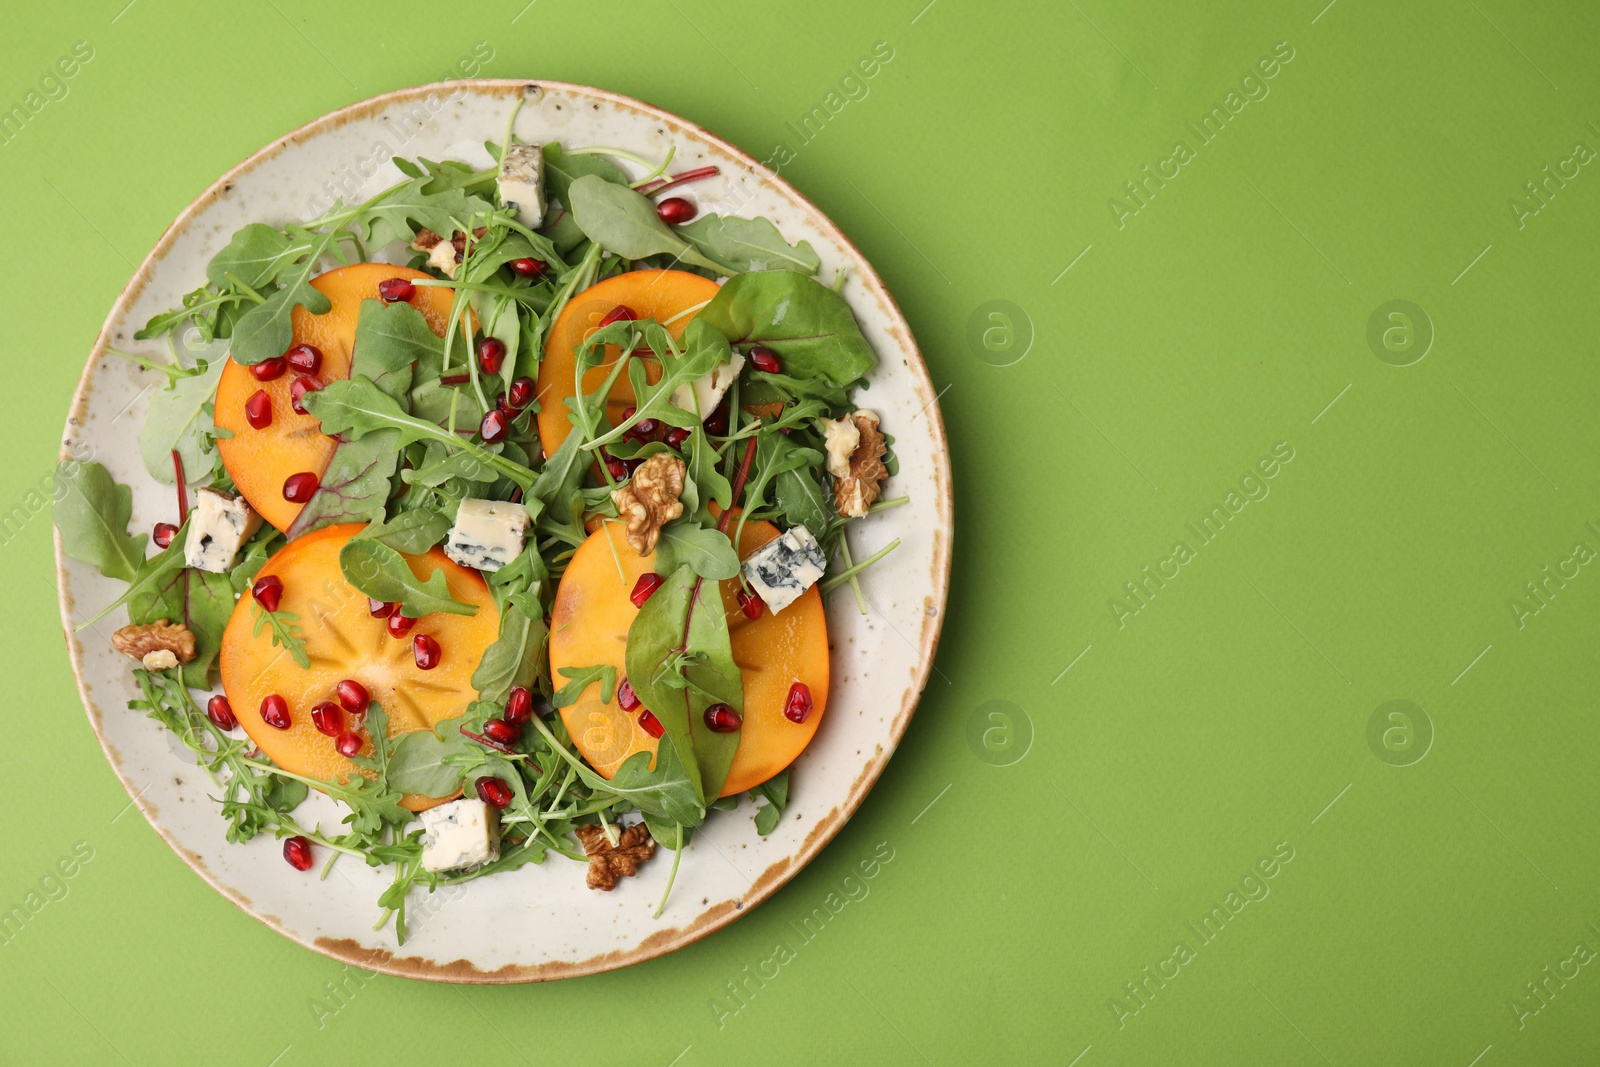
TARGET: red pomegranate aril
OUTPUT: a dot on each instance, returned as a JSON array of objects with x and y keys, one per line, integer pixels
[
  {"x": 521, "y": 393},
  {"x": 353, "y": 696},
  {"x": 645, "y": 588},
  {"x": 627, "y": 699},
  {"x": 722, "y": 719},
  {"x": 394, "y": 290},
  {"x": 268, "y": 591},
  {"x": 163, "y": 534},
  {"x": 381, "y": 609},
  {"x": 426, "y": 651},
  {"x": 650, "y": 724},
  {"x": 297, "y": 851},
  {"x": 220, "y": 712},
  {"x": 328, "y": 718},
  {"x": 269, "y": 369},
  {"x": 298, "y": 390},
  {"x": 348, "y": 744},
  {"x": 617, "y": 469},
  {"x": 527, "y": 268},
  {"x": 491, "y": 355},
  {"x": 677, "y": 436},
  {"x": 717, "y": 422},
  {"x": 493, "y": 792},
  {"x": 620, "y": 313},
  {"x": 258, "y": 410},
  {"x": 519, "y": 706},
  {"x": 765, "y": 359},
  {"x": 798, "y": 705},
  {"x": 495, "y": 427},
  {"x": 675, "y": 211},
  {"x": 275, "y": 711},
  {"x": 399, "y": 625},
  {"x": 501, "y": 732},
  {"x": 750, "y": 604},
  {"x": 307, "y": 359},
  {"x": 298, "y": 488}
]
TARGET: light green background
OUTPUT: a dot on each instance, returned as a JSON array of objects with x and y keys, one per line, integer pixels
[{"x": 1227, "y": 718}]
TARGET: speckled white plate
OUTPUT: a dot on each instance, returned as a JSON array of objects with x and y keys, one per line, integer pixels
[{"x": 539, "y": 922}]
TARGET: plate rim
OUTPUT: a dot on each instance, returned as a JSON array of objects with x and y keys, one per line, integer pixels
[{"x": 778, "y": 873}]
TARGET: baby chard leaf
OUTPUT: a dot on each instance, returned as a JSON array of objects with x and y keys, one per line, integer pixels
[
  {"x": 517, "y": 656},
  {"x": 625, "y": 222},
  {"x": 749, "y": 244},
  {"x": 802, "y": 320}
]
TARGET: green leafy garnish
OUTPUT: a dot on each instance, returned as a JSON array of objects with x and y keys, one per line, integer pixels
[
  {"x": 382, "y": 573},
  {"x": 92, "y": 513}
]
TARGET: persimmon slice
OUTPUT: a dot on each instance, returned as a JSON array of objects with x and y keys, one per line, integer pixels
[
  {"x": 259, "y": 461},
  {"x": 589, "y": 627},
  {"x": 343, "y": 640},
  {"x": 663, "y": 295}
]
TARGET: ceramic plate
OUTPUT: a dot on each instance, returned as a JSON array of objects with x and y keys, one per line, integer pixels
[{"x": 538, "y": 922}]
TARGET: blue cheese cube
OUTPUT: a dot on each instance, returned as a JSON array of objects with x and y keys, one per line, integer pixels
[
  {"x": 219, "y": 526},
  {"x": 702, "y": 396},
  {"x": 488, "y": 534},
  {"x": 464, "y": 833},
  {"x": 521, "y": 183},
  {"x": 783, "y": 569}
]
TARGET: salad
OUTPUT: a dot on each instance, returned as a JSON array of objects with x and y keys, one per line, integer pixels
[{"x": 506, "y": 503}]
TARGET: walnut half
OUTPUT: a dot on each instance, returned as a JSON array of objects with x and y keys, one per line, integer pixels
[
  {"x": 859, "y": 480},
  {"x": 157, "y": 645},
  {"x": 650, "y": 500},
  {"x": 444, "y": 256},
  {"x": 607, "y": 862}
]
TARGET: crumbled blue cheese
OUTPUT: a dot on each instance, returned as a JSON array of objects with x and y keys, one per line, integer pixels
[
  {"x": 521, "y": 183},
  {"x": 219, "y": 526},
  {"x": 488, "y": 534},
  {"x": 461, "y": 834},
  {"x": 703, "y": 395},
  {"x": 783, "y": 569}
]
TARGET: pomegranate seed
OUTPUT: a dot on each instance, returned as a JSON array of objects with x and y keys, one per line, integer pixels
[
  {"x": 519, "y": 706},
  {"x": 501, "y": 732},
  {"x": 620, "y": 313},
  {"x": 651, "y": 724},
  {"x": 493, "y": 792},
  {"x": 527, "y": 268},
  {"x": 618, "y": 469},
  {"x": 268, "y": 591},
  {"x": 307, "y": 359},
  {"x": 399, "y": 625},
  {"x": 381, "y": 609},
  {"x": 645, "y": 588},
  {"x": 269, "y": 369},
  {"x": 627, "y": 699},
  {"x": 722, "y": 719},
  {"x": 765, "y": 359},
  {"x": 491, "y": 355},
  {"x": 521, "y": 394},
  {"x": 717, "y": 421},
  {"x": 348, "y": 744},
  {"x": 798, "y": 705},
  {"x": 297, "y": 851},
  {"x": 394, "y": 290},
  {"x": 353, "y": 696},
  {"x": 631, "y": 465},
  {"x": 750, "y": 604},
  {"x": 163, "y": 534},
  {"x": 258, "y": 410},
  {"x": 298, "y": 488},
  {"x": 426, "y": 651},
  {"x": 677, "y": 436},
  {"x": 220, "y": 712},
  {"x": 328, "y": 718},
  {"x": 502, "y": 404},
  {"x": 495, "y": 426},
  {"x": 275, "y": 711},
  {"x": 298, "y": 390},
  {"x": 675, "y": 211}
]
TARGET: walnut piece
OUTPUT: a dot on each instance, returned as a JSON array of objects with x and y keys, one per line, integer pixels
[
  {"x": 650, "y": 500},
  {"x": 854, "y": 492},
  {"x": 444, "y": 256},
  {"x": 608, "y": 862},
  {"x": 158, "y": 645}
]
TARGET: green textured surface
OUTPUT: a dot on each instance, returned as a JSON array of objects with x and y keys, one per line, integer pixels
[{"x": 1226, "y": 718}]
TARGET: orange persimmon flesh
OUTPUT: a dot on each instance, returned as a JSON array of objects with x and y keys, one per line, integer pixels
[
  {"x": 589, "y": 627},
  {"x": 343, "y": 640},
  {"x": 259, "y": 461}
]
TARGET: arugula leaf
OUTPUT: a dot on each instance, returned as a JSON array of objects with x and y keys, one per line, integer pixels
[
  {"x": 561, "y": 170},
  {"x": 407, "y": 207},
  {"x": 583, "y": 678},
  {"x": 705, "y": 551},
  {"x": 775, "y": 790},
  {"x": 709, "y": 482},
  {"x": 704, "y": 349},
  {"x": 421, "y": 762},
  {"x": 555, "y": 488},
  {"x": 801, "y": 500},
  {"x": 266, "y": 330},
  {"x": 442, "y": 465},
  {"x": 390, "y": 339},
  {"x": 412, "y": 531},
  {"x": 517, "y": 656},
  {"x": 180, "y": 418},
  {"x": 665, "y": 791},
  {"x": 380, "y": 572},
  {"x": 257, "y": 254},
  {"x": 286, "y": 632},
  {"x": 749, "y": 244},
  {"x": 208, "y": 603},
  {"x": 625, "y": 223},
  {"x": 799, "y": 318},
  {"x": 92, "y": 515}
]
